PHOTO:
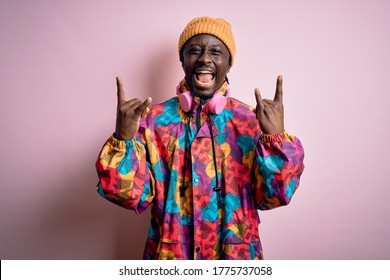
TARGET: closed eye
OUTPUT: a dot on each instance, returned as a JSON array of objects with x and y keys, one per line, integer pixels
[
  {"x": 216, "y": 52},
  {"x": 194, "y": 51}
]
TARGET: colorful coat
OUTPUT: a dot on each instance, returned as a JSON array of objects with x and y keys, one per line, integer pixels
[{"x": 171, "y": 166}]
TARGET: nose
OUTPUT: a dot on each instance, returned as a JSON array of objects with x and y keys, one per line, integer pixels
[{"x": 205, "y": 57}]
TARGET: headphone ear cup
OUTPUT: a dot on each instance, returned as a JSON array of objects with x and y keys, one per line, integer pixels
[
  {"x": 217, "y": 103},
  {"x": 185, "y": 100}
]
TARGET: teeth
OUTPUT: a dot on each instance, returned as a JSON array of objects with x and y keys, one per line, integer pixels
[{"x": 204, "y": 72}]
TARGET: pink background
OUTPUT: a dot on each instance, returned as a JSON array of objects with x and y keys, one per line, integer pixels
[{"x": 58, "y": 62}]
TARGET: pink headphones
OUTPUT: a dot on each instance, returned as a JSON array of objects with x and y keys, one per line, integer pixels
[{"x": 216, "y": 103}]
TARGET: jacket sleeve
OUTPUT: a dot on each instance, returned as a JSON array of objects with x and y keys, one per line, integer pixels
[
  {"x": 124, "y": 174},
  {"x": 278, "y": 168}
]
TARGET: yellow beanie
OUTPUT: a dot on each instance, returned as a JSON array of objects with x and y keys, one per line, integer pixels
[{"x": 217, "y": 27}]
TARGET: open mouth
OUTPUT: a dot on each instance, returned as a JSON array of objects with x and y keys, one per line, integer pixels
[{"x": 204, "y": 78}]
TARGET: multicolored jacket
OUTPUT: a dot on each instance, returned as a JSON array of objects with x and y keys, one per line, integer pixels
[{"x": 198, "y": 213}]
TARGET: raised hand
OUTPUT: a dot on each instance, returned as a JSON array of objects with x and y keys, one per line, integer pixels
[
  {"x": 129, "y": 113},
  {"x": 270, "y": 113}
]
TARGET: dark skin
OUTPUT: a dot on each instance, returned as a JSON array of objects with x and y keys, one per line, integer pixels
[
  {"x": 129, "y": 113},
  {"x": 206, "y": 62},
  {"x": 270, "y": 113},
  {"x": 205, "y": 55}
]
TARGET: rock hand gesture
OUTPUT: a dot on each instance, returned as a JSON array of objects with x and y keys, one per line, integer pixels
[
  {"x": 270, "y": 113},
  {"x": 129, "y": 113}
]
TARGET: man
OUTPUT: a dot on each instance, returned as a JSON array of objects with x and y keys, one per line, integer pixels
[{"x": 204, "y": 161}]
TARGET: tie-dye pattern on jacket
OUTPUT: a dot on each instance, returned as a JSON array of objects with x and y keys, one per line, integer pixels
[{"x": 170, "y": 166}]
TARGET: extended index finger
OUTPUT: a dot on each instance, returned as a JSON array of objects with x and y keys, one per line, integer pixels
[
  {"x": 279, "y": 90},
  {"x": 120, "y": 91}
]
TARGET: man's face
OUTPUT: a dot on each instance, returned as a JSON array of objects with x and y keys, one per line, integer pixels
[{"x": 206, "y": 61}]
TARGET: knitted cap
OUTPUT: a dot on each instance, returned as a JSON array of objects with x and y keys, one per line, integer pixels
[{"x": 217, "y": 27}]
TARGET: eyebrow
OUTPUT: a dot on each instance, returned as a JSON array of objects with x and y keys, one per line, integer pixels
[{"x": 212, "y": 46}]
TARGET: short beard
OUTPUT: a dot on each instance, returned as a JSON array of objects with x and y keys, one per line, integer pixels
[{"x": 204, "y": 97}]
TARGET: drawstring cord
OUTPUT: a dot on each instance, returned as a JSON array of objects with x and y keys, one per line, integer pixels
[
  {"x": 184, "y": 186},
  {"x": 217, "y": 188}
]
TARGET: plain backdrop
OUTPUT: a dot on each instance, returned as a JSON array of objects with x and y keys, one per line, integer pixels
[{"x": 58, "y": 62}]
